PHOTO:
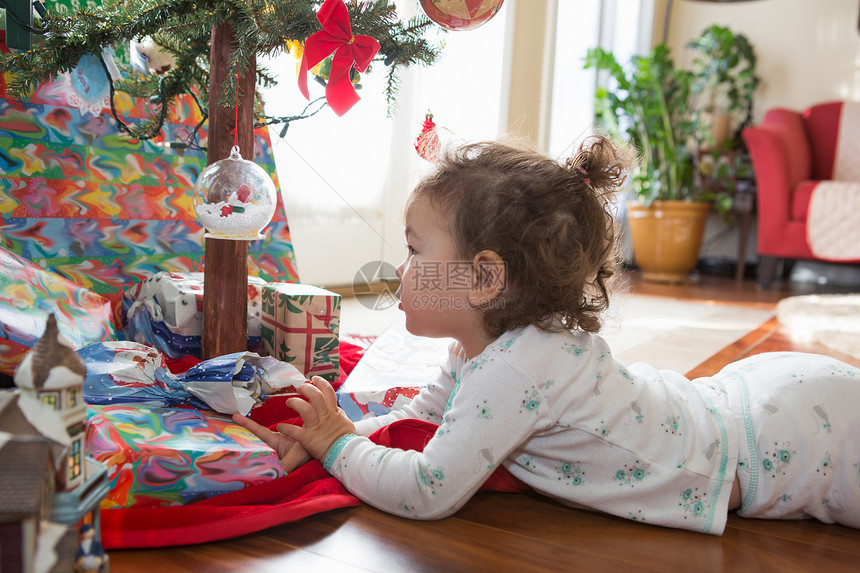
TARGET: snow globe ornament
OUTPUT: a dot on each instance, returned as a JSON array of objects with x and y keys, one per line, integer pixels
[
  {"x": 234, "y": 199},
  {"x": 457, "y": 15}
]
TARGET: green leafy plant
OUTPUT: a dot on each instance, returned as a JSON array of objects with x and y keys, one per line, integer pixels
[
  {"x": 657, "y": 107},
  {"x": 650, "y": 105},
  {"x": 724, "y": 68},
  {"x": 719, "y": 173}
]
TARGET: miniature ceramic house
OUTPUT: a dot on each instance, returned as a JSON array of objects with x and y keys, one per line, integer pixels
[{"x": 53, "y": 374}]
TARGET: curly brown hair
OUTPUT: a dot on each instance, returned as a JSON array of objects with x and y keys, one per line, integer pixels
[{"x": 551, "y": 223}]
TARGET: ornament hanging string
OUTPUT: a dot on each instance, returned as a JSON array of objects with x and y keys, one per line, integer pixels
[{"x": 235, "y": 131}]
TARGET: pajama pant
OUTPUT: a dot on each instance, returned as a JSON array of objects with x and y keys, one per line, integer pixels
[{"x": 799, "y": 431}]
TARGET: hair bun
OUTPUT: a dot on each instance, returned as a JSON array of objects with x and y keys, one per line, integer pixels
[{"x": 600, "y": 163}]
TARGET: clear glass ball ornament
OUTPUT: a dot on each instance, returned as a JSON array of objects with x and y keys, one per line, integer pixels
[{"x": 234, "y": 199}]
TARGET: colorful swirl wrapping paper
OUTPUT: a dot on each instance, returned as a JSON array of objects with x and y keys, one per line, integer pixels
[
  {"x": 28, "y": 294},
  {"x": 174, "y": 456},
  {"x": 83, "y": 201}
]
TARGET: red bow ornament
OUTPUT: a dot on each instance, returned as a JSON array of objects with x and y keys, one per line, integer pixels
[{"x": 336, "y": 36}]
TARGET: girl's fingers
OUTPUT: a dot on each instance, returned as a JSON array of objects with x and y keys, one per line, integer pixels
[
  {"x": 323, "y": 421},
  {"x": 290, "y": 431},
  {"x": 249, "y": 424},
  {"x": 304, "y": 409},
  {"x": 327, "y": 391},
  {"x": 246, "y": 423},
  {"x": 295, "y": 457},
  {"x": 316, "y": 397}
]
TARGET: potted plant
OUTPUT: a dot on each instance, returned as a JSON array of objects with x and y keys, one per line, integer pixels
[
  {"x": 724, "y": 68},
  {"x": 689, "y": 164},
  {"x": 651, "y": 106}
]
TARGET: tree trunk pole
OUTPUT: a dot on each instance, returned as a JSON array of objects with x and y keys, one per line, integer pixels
[{"x": 225, "y": 272}]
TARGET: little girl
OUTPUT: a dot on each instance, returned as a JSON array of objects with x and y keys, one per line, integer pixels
[{"x": 510, "y": 254}]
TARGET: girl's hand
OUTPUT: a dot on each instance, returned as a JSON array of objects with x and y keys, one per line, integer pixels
[
  {"x": 323, "y": 421},
  {"x": 291, "y": 454}
]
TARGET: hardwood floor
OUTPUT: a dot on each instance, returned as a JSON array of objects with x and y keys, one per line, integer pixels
[{"x": 525, "y": 532}]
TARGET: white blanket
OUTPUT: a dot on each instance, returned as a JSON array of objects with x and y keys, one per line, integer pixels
[{"x": 833, "y": 221}]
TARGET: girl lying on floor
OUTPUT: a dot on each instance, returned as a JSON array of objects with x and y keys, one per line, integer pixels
[{"x": 530, "y": 387}]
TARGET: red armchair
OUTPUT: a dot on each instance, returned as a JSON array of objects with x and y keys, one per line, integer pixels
[{"x": 791, "y": 153}]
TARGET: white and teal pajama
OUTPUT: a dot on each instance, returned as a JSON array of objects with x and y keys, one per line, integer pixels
[{"x": 564, "y": 417}]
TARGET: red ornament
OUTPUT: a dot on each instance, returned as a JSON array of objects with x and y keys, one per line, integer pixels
[
  {"x": 243, "y": 193},
  {"x": 336, "y": 36},
  {"x": 427, "y": 143},
  {"x": 461, "y": 14},
  {"x": 226, "y": 210}
]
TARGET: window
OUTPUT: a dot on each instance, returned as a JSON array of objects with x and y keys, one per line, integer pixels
[
  {"x": 51, "y": 399},
  {"x": 622, "y": 26},
  {"x": 75, "y": 461}
]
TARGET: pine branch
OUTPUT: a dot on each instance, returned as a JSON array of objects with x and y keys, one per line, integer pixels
[
  {"x": 183, "y": 28},
  {"x": 392, "y": 87}
]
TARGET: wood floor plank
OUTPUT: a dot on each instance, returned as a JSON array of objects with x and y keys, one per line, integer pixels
[
  {"x": 598, "y": 537},
  {"x": 383, "y": 543}
]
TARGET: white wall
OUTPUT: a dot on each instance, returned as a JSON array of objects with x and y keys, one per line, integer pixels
[{"x": 808, "y": 50}]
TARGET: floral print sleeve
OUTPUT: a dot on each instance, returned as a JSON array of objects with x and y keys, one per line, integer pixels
[{"x": 494, "y": 407}]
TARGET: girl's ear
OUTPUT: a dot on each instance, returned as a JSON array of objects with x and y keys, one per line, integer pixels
[{"x": 490, "y": 277}]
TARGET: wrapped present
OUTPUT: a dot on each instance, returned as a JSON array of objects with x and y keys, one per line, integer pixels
[
  {"x": 166, "y": 311},
  {"x": 28, "y": 293},
  {"x": 300, "y": 325},
  {"x": 172, "y": 456},
  {"x": 127, "y": 372},
  {"x": 392, "y": 372}
]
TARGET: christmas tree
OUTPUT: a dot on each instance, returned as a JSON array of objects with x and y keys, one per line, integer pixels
[{"x": 183, "y": 29}]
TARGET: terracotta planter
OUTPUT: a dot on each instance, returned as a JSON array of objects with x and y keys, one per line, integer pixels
[{"x": 666, "y": 238}]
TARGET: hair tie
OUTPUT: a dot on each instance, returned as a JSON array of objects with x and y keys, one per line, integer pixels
[{"x": 585, "y": 178}]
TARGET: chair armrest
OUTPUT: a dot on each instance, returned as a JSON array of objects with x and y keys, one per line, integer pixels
[{"x": 772, "y": 175}]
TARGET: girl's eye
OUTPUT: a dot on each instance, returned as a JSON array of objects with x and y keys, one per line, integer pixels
[{"x": 410, "y": 249}]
